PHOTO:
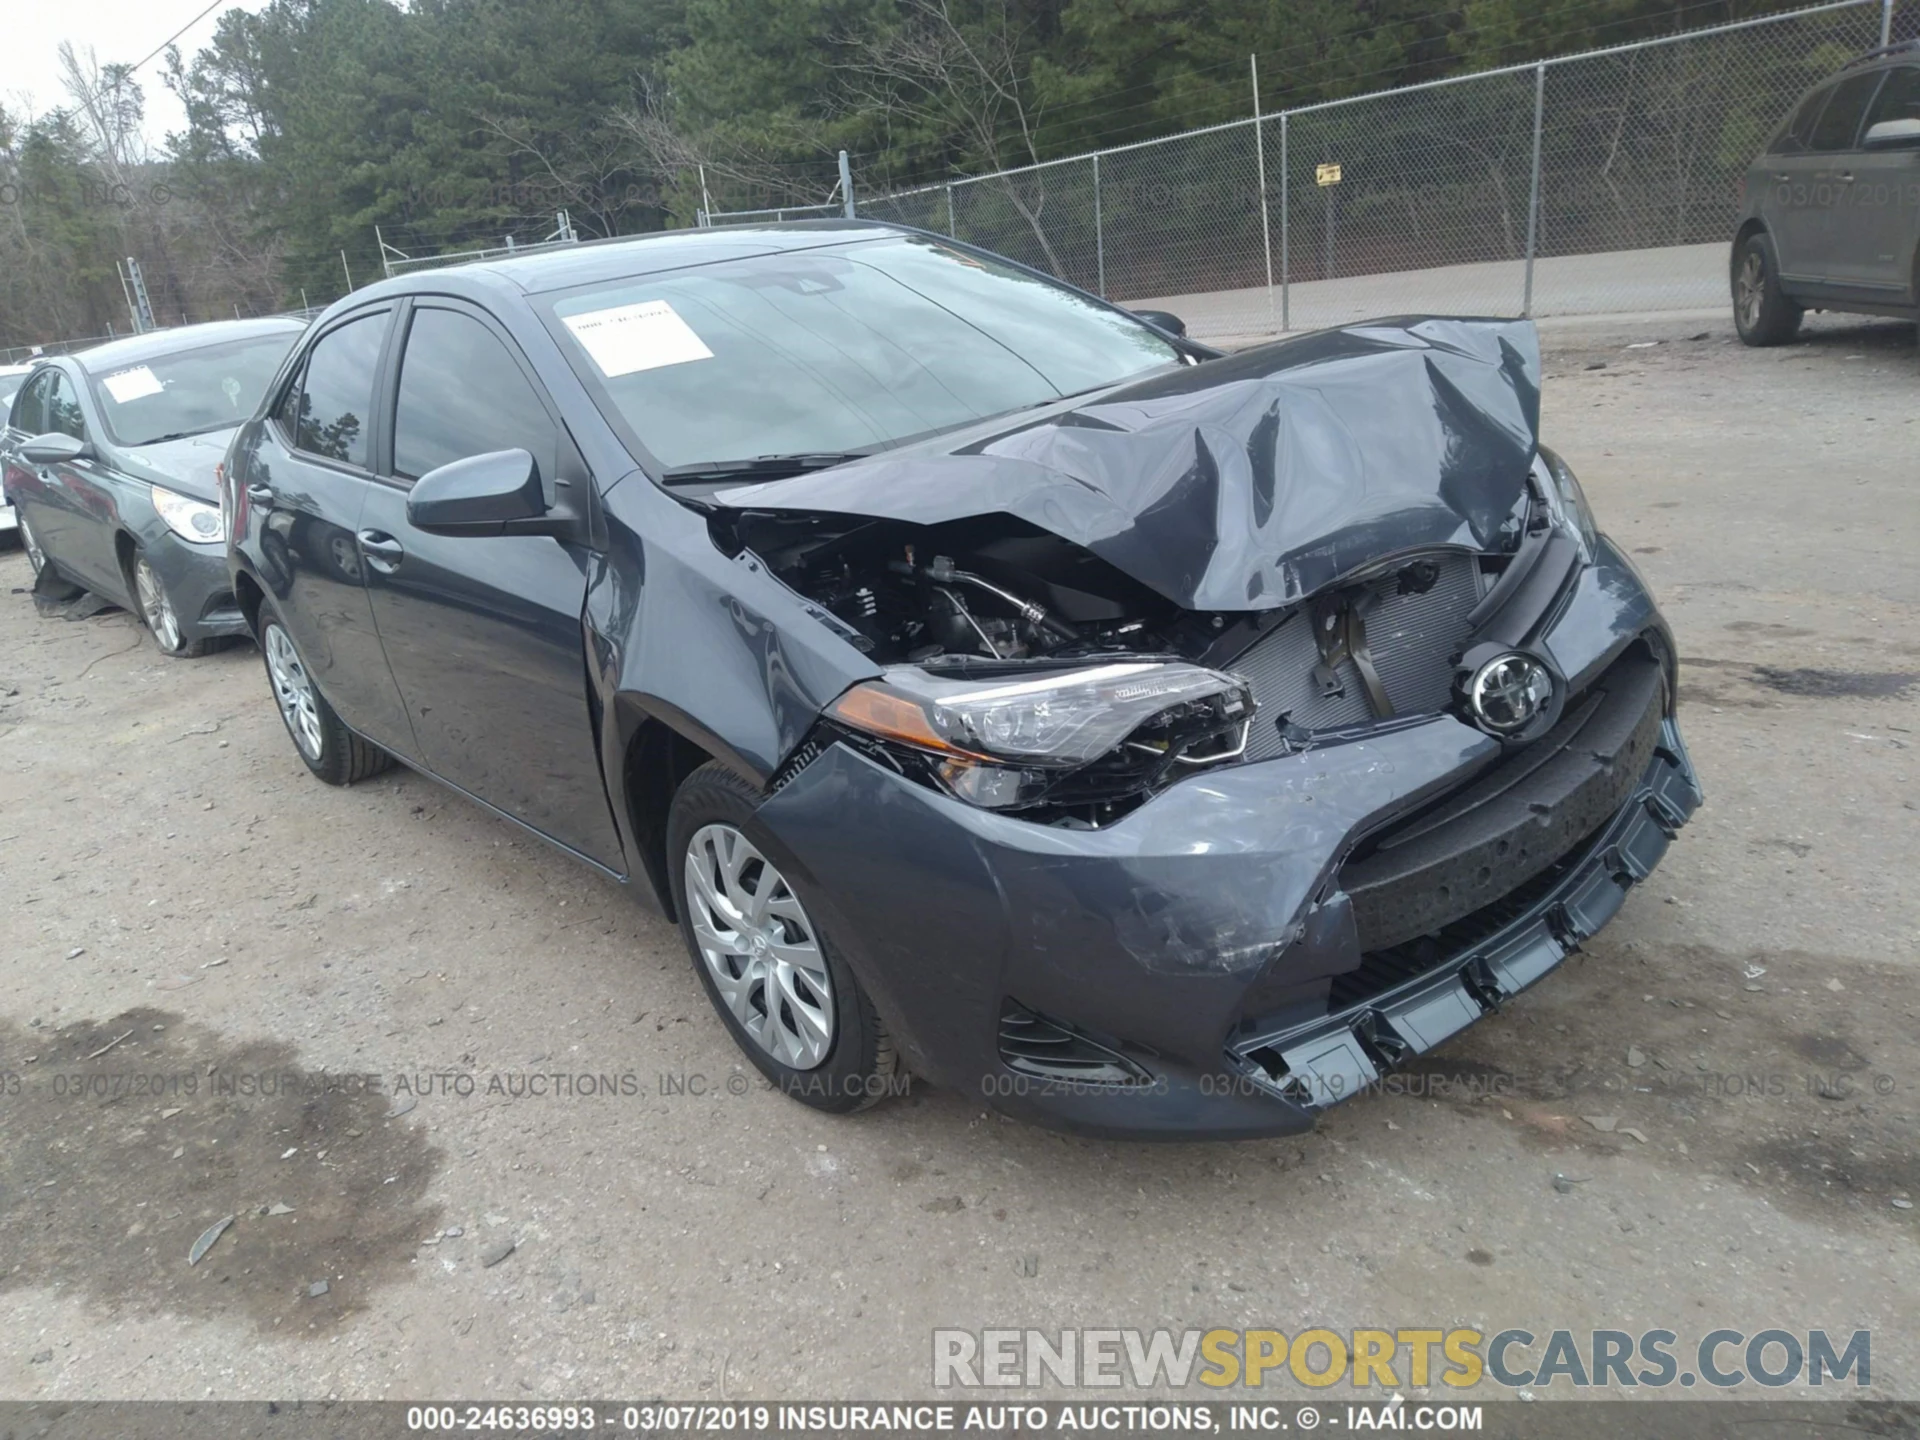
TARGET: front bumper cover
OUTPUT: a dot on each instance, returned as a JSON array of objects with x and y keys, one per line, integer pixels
[{"x": 1199, "y": 943}]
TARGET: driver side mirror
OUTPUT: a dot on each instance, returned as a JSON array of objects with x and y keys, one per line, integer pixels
[
  {"x": 498, "y": 493},
  {"x": 1892, "y": 135},
  {"x": 1163, "y": 320},
  {"x": 55, "y": 448}
]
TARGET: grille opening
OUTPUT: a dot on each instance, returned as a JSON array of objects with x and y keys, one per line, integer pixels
[
  {"x": 1032, "y": 1044},
  {"x": 1415, "y": 623}
]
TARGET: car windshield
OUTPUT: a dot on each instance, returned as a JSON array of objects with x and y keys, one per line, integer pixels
[
  {"x": 191, "y": 391},
  {"x": 845, "y": 349}
]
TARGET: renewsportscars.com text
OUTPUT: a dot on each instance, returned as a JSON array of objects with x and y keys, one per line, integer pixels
[{"x": 1363, "y": 1359}]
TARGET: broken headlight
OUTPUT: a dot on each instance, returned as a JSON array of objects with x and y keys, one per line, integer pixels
[
  {"x": 1009, "y": 742},
  {"x": 1569, "y": 502}
]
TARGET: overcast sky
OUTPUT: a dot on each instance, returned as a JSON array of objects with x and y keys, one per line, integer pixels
[{"x": 120, "y": 32}]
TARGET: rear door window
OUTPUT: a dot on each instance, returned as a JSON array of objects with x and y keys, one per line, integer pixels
[
  {"x": 30, "y": 408},
  {"x": 1839, "y": 123},
  {"x": 333, "y": 400}
]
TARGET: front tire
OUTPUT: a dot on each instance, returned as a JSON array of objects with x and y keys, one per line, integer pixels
[
  {"x": 330, "y": 749},
  {"x": 1762, "y": 313},
  {"x": 777, "y": 982},
  {"x": 29, "y": 542},
  {"x": 156, "y": 609}
]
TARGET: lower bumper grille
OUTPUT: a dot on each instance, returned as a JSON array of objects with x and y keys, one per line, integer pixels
[
  {"x": 1405, "y": 1001},
  {"x": 1046, "y": 1049},
  {"x": 1481, "y": 845}
]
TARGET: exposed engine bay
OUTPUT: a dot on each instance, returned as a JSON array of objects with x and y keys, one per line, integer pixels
[
  {"x": 990, "y": 589},
  {"x": 994, "y": 598}
]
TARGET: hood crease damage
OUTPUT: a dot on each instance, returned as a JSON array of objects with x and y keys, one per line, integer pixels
[{"x": 1247, "y": 483}]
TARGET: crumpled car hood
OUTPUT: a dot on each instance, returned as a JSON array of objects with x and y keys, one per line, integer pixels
[{"x": 1244, "y": 483}]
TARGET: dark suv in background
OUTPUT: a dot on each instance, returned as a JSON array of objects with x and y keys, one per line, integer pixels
[{"x": 1832, "y": 219}]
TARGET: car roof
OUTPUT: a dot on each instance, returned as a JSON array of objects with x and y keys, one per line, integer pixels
[
  {"x": 1900, "y": 52},
  {"x": 156, "y": 343},
  {"x": 629, "y": 256}
]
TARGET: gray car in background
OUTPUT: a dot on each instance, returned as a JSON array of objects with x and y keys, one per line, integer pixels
[
  {"x": 1832, "y": 217},
  {"x": 111, "y": 457}
]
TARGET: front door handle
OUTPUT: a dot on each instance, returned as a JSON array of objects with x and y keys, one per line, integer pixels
[
  {"x": 261, "y": 493},
  {"x": 1845, "y": 177},
  {"x": 383, "y": 552}
]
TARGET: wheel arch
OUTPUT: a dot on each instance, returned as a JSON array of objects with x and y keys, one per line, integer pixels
[
  {"x": 249, "y": 595},
  {"x": 656, "y": 757}
]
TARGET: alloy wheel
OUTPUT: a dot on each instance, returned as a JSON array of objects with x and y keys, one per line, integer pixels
[
  {"x": 155, "y": 605},
  {"x": 760, "y": 948},
  {"x": 36, "y": 557},
  {"x": 293, "y": 692},
  {"x": 1752, "y": 289}
]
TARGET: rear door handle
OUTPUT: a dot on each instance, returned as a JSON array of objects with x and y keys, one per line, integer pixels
[
  {"x": 383, "y": 552},
  {"x": 1845, "y": 177}
]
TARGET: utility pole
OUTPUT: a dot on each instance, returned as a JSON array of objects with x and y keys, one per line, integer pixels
[
  {"x": 1533, "y": 189},
  {"x": 142, "y": 306},
  {"x": 1260, "y": 163}
]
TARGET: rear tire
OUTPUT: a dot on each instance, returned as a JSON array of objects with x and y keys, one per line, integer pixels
[
  {"x": 778, "y": 983},
  {"x": 1762, "y": 313},
  {"x": 330, "y": 750}
]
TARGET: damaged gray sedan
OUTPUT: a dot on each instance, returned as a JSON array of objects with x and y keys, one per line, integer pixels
[{"x": 993, "y": 684}]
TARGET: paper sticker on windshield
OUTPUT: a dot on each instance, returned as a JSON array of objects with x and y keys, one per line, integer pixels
[
  {"x": 641, "y": 336},
  {"x": 132, "y": 384}
]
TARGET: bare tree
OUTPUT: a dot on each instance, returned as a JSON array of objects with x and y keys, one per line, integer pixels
[
  {"x": 669, "y": 151},
  {"x": 584, "y": 174},
  {"x": 940, "y": 73}
]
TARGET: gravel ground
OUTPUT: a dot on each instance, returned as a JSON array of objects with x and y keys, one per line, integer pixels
[{"x": 178, "y": 889}]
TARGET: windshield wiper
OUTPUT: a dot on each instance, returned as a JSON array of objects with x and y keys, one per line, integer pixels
[{"x": 760, "y": 467}]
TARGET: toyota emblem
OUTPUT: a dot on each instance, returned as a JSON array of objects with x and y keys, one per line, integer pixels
[{"x": 1508, "y": 693}]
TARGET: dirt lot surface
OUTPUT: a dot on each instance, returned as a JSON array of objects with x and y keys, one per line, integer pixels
[{"x": 195, "y": 932}]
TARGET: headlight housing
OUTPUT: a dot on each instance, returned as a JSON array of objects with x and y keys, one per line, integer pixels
[
  {"x": 1569, "y": 502},
  {"x": 1096, "y": 734},
  {"x": 193, "y": 520}
]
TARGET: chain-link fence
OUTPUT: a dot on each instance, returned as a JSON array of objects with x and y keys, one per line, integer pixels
[{"x": 1596, "y": 183}]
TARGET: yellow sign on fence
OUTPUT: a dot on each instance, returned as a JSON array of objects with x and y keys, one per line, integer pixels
[{"x": 1327, "y": 174}]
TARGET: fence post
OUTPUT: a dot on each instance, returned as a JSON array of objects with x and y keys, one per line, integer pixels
[
  {"x": 953, "y": 225},
  {"x": 846, "y": 183},
  {"x": 1533, "y": 192},
  {"x": 1260, "y": 160},
  {"x": 1099, "y": 228},
  {"x": 1886, "y": 23},
  {"x": 1286, "y": 316}
]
